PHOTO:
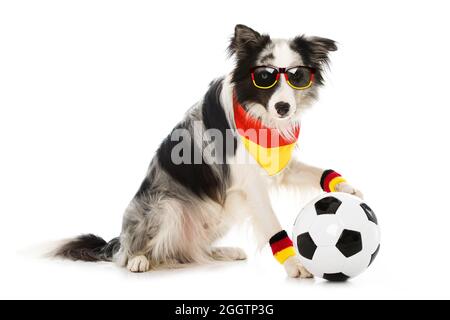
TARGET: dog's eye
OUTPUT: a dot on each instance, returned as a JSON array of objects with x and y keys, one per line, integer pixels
[
  {"x": 264, "y": 75},
  {"x": 298, "y": 74},
  {"x": 299, "y": 77}
]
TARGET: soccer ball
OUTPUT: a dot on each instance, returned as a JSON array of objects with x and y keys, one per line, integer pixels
[{"x": 336, "y": 236}]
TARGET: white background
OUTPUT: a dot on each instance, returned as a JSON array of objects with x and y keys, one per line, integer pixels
[{"x": 88, "y": 89}]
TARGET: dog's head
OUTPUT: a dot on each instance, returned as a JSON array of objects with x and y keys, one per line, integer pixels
[{"x": 277, "y": 98}]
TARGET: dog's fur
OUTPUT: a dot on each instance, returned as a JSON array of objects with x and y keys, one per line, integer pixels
[{"x": 181, "y": 209}]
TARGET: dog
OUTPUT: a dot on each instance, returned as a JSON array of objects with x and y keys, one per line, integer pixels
[{"x": 189, "y": 199}]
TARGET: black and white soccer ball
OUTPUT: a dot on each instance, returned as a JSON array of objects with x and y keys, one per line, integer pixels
[{"x": 336, "y": 236}]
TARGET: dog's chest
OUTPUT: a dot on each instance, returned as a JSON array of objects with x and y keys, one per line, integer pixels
[{"x": 246, "y": 172}]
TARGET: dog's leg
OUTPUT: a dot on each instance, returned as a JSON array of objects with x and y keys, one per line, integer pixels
[
  {"x": 267, "y": 224},
  {"x": 298, "y": 175},
  {"x": 151, "y": 232},
  {"x": 160, "y": 230},
  {"x": 135, "y": 239}
]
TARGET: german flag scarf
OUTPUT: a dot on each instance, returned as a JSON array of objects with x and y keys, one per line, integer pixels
[{"x": 270, "y": 149}]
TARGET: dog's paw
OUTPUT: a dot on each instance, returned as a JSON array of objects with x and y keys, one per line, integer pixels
[
  {"x": 138, "y": 264},
  {"x": 294, "y": 269},
  {"x": 348, "y": 188},
  {"x": 228, "y": 254}
]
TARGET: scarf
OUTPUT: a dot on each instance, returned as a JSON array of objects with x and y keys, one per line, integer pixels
[{"x": 266, "y": 145}]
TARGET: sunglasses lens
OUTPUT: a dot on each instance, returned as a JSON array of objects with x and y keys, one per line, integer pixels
[
  {"x": 299, "y": 77},
  {"x": 265, "y": 77}
]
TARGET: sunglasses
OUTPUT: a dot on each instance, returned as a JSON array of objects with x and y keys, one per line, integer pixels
[{"x": 299, "y": 78}]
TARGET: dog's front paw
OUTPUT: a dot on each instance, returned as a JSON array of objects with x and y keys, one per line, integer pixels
[
  {"x": 348, "y": 188},
  {"x": 294, "y": 269}
]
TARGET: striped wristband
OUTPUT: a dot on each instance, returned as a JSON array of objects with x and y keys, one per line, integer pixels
[
  {"x": 330, "y": 179},
  {"x": 282, "y": 247}
]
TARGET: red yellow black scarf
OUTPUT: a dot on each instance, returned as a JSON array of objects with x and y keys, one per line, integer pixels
[{"x": 270, "y": 149}]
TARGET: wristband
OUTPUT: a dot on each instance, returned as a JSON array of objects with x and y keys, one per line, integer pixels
[
  {"x": 282, "y": 247},
  {"x": 330, "y": 179}
]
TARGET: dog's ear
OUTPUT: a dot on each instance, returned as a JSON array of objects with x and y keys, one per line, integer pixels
[
  {"x": 244, "y": 40},
  {"x": 324, "y": 44},
  {"x": 315, "y": 49},
  {"x": 315, "y": 53}
]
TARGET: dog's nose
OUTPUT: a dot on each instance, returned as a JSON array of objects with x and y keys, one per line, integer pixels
[{"x": 282, "y": 108}]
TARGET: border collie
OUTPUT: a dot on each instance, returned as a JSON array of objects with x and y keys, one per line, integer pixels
[{"x": 208, "y": 173}]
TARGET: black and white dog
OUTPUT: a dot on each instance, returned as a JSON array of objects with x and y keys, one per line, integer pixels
[{"x": 183, "y": 207}]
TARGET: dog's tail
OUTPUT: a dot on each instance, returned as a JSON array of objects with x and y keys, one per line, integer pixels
[{"x": 89, "y": 248}]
